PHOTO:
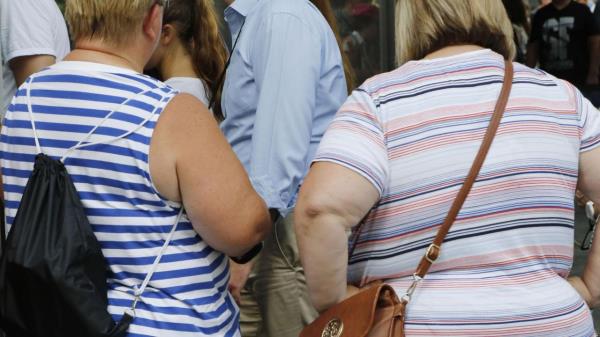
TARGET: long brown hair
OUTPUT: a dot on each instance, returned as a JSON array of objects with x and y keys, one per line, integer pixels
[
  {"x": 197, "y": 27},
  {"x": 324, "y": 7}
]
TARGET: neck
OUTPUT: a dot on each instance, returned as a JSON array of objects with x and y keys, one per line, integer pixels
[
  {"x": 99, "y": 53},
  {"x": 560, "y": 4},
  {"x": 177, "y": 63},
  {"x": 452, "y": 50}
]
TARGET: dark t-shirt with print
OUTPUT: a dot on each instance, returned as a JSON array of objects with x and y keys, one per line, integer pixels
[{"x": 563, "y": 38}]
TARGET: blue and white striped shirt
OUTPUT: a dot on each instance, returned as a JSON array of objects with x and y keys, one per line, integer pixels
[{"x": 187, "y": 295}]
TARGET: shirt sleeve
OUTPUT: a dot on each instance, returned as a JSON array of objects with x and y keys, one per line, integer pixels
[
  {"x": 356, "y": 140},
  {"x": 589, "y": 122},
  {"x": 29, "y": 30},
  {"x": 286, "y": 63}
]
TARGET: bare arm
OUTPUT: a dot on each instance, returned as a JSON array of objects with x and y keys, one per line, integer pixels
[
  {"x": 588, "y": 284},
  {"x": 191, "y": 161},
  {"x": 533, "y": 54},
  {"x": 594, "y": 46},
  {"x": 24, "y": 66},
  {"x": 332, "y": 200}
]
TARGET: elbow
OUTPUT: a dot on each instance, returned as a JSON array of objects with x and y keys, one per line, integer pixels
[
  {"x": 308, "y": 208},
  {"x": 237, "y": 228},
  {"x": 254, "y": 227}
]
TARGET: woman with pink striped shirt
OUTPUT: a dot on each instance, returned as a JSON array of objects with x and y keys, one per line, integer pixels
[{"x": 399, "y": 150}]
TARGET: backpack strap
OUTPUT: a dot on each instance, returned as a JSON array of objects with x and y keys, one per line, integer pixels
[
  {"x": 139, "y": 291},
  {"x": 130, "y": 313},
  {"x": 2, "y": 226},
  {"x": 82, "y": 143}
]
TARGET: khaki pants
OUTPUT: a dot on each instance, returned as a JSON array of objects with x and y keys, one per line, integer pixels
[{"x": 275, "y": 301}]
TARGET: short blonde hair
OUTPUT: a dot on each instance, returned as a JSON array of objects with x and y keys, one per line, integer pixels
[
  {"x": 112, "y": 21},
  {"x": 424, "y": 26}
]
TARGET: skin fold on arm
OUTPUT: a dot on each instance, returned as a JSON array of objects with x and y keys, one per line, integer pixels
[{"x": 332, "y": 200}]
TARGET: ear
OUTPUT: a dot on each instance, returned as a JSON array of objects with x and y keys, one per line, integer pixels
[
  {"x": 168, "y": 34},
  {"x": 153, "y": 22}
]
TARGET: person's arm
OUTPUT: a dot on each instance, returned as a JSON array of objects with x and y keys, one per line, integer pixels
[
  {"x": 594, "y": 68},
  {"x": 533, "y": 54},
  {"x": 192, "y": 162},
  {"x": 592, "y": 29},
  {"x": 32, "y": 40},
  {"x": 286, "y": 60},
  {"x": 349, "y": 175},
  {"x": 333, "y": 199},
  {"x": 24, "y": 66},
  {"x": 588, "y": 285},
  {"x": 533, "y": 46}
]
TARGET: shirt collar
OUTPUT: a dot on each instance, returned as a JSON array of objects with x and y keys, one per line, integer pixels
[{"x": 242, "y": 7}]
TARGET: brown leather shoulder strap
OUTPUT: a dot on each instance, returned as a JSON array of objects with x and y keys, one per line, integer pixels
[{"x": 433, "y": 251}]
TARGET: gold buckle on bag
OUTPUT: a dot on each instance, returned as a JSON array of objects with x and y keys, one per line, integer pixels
[
  {"x": 333, "y": 328},
  {"x": 430, "y": 250}
]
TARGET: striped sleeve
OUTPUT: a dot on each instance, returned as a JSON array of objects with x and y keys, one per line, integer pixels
[
  {"x": 355, "y": 139},
  {"x": 589, "y": 123}
]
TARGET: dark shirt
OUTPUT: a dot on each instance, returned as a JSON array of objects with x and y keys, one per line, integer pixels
[{"x": 563, "y": 37}]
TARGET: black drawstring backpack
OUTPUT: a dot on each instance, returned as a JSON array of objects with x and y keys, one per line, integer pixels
[{"x": 52, "y": 270}]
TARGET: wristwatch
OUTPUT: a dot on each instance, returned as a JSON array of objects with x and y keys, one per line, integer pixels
[{"x": 249, "y": 255}]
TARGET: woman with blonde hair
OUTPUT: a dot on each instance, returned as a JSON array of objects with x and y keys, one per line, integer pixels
[
  {"x": 132, "y": 145},
  {"x": 398, "y": 152},
  {"x": 191, "y": 55}
]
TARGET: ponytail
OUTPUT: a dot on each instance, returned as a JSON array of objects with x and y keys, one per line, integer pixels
[
  {"x": 208, "y": 52},
  {"x": 198, "y": 28}
]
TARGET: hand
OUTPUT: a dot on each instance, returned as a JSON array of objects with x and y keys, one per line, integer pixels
[
  {"x": 239, "y": 276},
  {"x": 351, "y": 291},
  {"x": 577, "y": 283}
]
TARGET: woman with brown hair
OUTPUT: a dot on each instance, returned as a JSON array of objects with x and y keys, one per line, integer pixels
[
  {"x": 191, "y": 55},
  {"x": 398, "y": 152}
]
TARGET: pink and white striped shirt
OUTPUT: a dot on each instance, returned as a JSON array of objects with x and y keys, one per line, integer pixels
[{"x": 413, "y": 133}]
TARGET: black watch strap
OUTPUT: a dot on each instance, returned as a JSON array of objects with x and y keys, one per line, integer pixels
[{"x": 249, "y": 255}]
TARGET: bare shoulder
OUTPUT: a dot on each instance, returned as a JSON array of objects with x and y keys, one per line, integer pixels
[
  {"x": 185, "y": 108},
  {"x": 184, "y": 126}
]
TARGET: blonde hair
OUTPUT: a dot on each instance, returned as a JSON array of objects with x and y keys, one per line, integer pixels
[
  {"x": 112, "y": 21},
  {"x": 424, "y": 26}
]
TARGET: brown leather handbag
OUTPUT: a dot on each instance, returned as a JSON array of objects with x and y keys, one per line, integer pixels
[{"x": 376, "y": 310}]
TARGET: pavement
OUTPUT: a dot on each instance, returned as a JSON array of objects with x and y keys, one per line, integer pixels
[{"x": 581, "y": 227}]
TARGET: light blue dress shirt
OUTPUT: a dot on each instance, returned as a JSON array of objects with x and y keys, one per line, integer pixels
[{"x": 282, "y": 89}]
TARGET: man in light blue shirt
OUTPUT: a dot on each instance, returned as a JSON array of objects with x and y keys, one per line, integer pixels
[{"x": 282, "y": 88}]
